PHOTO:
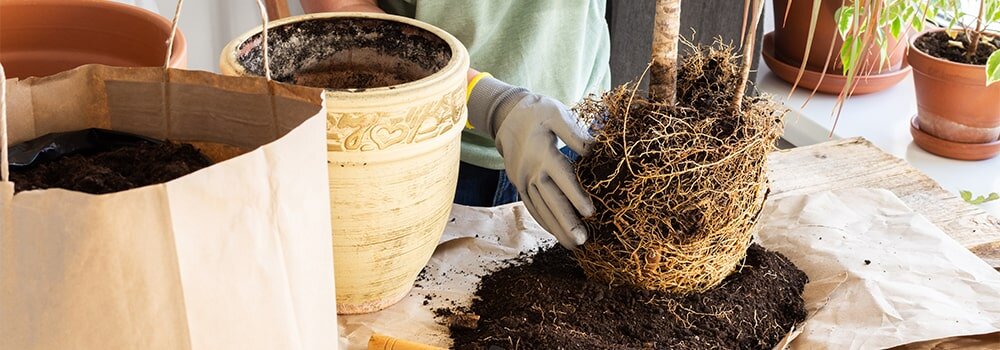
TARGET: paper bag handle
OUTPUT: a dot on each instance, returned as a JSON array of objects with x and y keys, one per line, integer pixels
[
  {"x": 4, "y": 171},
  {"x": 266, "y": 61},
  {"x": 4, "y": 162},
  {"x": 263, "y": 18}
]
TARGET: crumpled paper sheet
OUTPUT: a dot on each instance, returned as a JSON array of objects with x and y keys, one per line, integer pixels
[
  {"x": 880, "y": 274},
  {"x": 920, "y": 284}
]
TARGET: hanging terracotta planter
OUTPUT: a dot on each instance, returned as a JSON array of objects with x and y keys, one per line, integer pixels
[
  {"x": 958, "y": 115},
  {"x": 395, "y": 92},
  {"x": 784, "y": 51},
  {"x": 44, "y": 37}
]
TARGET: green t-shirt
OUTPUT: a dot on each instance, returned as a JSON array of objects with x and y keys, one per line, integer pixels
[{"x": 557, "y": 48}]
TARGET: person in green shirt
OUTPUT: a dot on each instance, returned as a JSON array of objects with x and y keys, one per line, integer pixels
[{"x": 541, "y": 56}]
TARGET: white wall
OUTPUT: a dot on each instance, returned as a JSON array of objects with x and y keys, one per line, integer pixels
[{"x": 208, "y": 25}]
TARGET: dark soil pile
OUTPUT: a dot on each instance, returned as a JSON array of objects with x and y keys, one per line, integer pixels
[
  {"x": 936, "y": 44},
  {"x": 548, "y": 303},
  {"x": 112, "y": 170}
]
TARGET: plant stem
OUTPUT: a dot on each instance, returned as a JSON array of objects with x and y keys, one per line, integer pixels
[
  {"x": 663, "y": 73},
  {"x": 974, "y": 38},
  {"x": 748, "y": 54}
]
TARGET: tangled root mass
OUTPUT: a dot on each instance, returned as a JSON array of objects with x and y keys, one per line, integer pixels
[{"x": 678, "y": 189}]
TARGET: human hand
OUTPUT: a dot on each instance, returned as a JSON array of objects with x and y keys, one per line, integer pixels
[{"x": 526, "y": 128}]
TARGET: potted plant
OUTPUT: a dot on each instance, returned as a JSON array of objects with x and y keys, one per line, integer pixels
[
  {"x": 801, "y": 50},
  {"x": 955, "y": 75}
]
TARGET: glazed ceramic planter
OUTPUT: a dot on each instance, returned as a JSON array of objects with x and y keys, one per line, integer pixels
[
  {"x": 955, "y": 108},
  {"x": 394, "y": 128},
  {"x": 44, "y": 37}
]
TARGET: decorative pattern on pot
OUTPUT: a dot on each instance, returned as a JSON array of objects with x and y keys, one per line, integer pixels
[
  {"x": 395, "y": 94},
  {"x": 373, "y": 131}
]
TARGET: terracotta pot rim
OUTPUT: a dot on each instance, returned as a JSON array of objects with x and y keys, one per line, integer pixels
[
  {"x": 924, "y": 55},
  {"x": 180, "y": 43},
  {"x": 769, "y": 38},
  {"x": 831, "y": 83},
  {"x": 458, "y": 52}
]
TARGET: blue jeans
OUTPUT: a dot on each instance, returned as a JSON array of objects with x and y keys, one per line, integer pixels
[{"x": 481, "y": 187}]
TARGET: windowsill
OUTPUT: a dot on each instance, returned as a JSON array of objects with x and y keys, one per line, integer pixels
[{"x": 882, "y": 118}]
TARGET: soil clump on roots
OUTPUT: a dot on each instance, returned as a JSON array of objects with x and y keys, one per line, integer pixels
[
  {"x": 112, "y": 170},
  {"x": 550, "y": 304},
  {"x": 678, "y": 188}
]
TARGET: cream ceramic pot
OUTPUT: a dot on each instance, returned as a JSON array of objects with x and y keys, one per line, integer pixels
[{"x": 396, "y": 101}]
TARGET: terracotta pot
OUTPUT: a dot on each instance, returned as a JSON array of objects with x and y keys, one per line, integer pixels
[
  {"x": 953, "y": 101},
  {"x": 830, "y": 83},
  {"x": 44, "y": 37},
  {"x": 394, "y": 132},
  {"x": 790, "y": 38}
]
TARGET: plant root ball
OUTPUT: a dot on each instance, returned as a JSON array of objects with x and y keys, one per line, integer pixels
[{"x": 678, "y": 189}]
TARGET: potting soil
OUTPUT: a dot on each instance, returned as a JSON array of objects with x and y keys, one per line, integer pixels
[
  {"x": 548, "y": 303},
  {"x": 347, "y": 53},
  {"x": 936, "y": 44},
  {"x": 117, "y": 169}
]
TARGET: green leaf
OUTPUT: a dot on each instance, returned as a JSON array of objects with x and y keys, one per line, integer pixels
[
  {"x": 967, "y": 196},
  {"x": 847, "y": 54},
  {"x": 896, "y": 27},
  {"x": 844, "y": 17},
  {"x": 993, "y": 68}
]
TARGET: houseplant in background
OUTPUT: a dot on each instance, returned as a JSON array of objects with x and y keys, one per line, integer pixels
[
  {"x": 801, "y": 48},
  {"x": 954, "y": 68},
  {"x": 955, "y": 75}
]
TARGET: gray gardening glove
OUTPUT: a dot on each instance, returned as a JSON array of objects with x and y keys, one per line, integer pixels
[{"x": 527, "y": 128}]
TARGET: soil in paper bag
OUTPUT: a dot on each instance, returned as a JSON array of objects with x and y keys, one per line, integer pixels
[
  {"x": 119, "y": 168},
  {"x": 548, "y": 303}
]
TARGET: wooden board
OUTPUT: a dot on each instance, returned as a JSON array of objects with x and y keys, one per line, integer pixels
[{"x": 856, "y": 162}]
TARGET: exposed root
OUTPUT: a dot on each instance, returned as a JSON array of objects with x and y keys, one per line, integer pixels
[{"x": 678, "y": 188}]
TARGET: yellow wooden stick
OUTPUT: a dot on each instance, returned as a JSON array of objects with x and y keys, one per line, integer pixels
[{"x": 384, "y": 342}]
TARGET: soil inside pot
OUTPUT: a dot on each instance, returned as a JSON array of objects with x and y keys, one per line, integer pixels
[
  {"x": 111, "y": 170},
  {"x": 548, "y": 303},
  {"x": 936, "y": 44},
  {"x": 347, "y": 53}
]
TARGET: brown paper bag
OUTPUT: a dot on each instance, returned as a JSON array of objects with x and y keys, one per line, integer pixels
[{"x": 235, "y": 256}]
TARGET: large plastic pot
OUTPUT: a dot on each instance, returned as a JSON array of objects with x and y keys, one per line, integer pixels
[
  {"x": 394, "y": 130},
  {"x": 958, "y": 115},
  {"x": 44, "y": 37}
]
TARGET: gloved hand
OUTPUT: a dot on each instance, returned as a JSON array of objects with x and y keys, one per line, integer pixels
[{"x": 525, "y": 127}]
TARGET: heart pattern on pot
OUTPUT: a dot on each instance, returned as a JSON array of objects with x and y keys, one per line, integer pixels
[
  {"x": 385, "y": 136},
  {"x": 374, "y": 131}
]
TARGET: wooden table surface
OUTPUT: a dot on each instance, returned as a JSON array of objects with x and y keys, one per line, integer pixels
[{"x": 856, "y": 162}]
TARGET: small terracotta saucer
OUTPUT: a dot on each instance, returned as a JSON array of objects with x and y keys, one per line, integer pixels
[
  {"x": 831, "y": 83},
  {"x": 951, "y": 149}
]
